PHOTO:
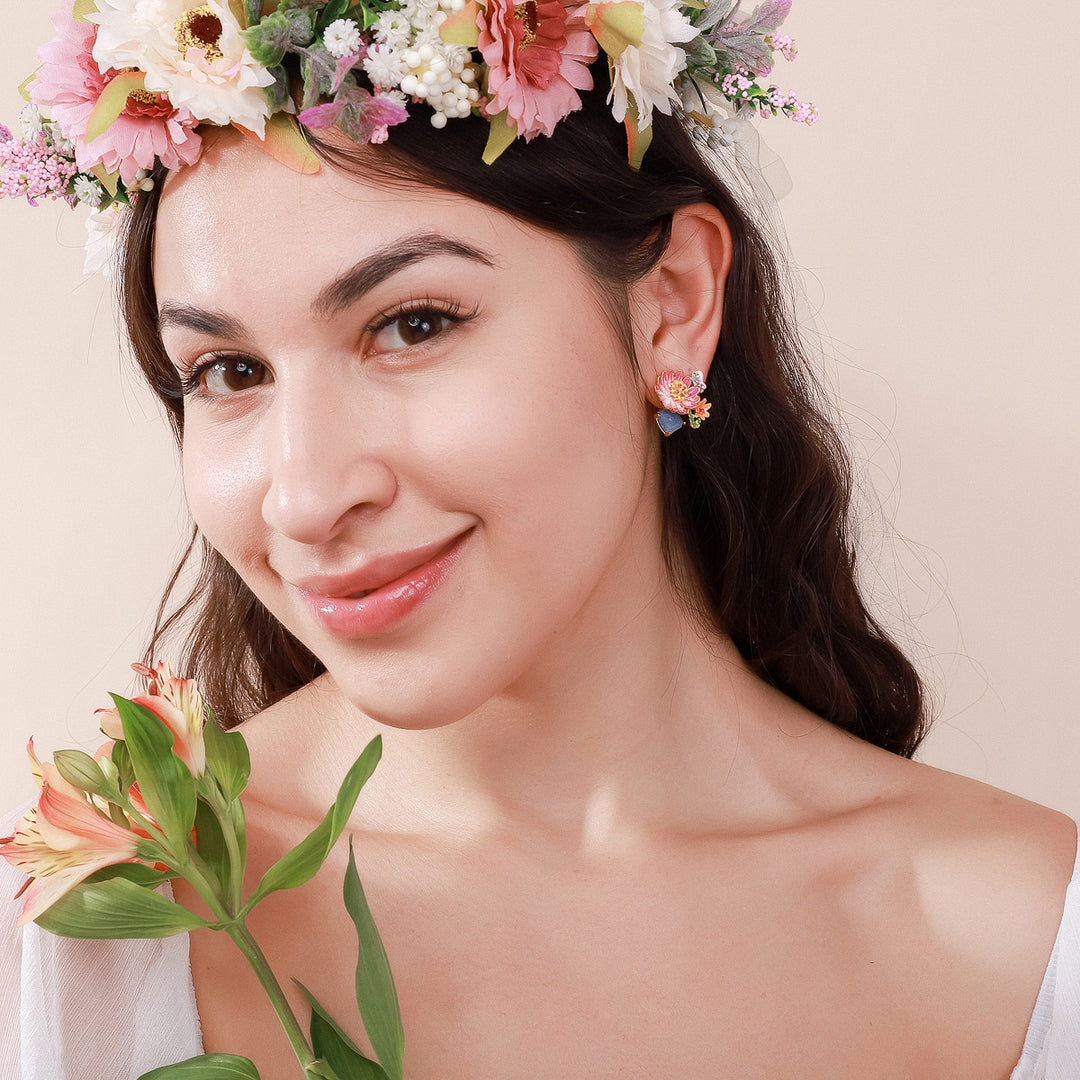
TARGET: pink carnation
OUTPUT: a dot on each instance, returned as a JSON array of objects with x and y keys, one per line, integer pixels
[
  {"x": 69, "y": 84},
  {"x": 538, "y": 57}
]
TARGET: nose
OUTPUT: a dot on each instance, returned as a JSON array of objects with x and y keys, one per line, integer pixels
[{"x": 324, "y": 465}]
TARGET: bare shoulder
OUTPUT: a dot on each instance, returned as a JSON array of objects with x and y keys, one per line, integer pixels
[
  {"x": 990, "y": 870},
  {"x": 970, "y": 832},
  {"x": 301, "y": 747}
]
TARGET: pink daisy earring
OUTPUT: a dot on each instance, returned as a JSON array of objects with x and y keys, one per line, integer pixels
[{"x": 680, "y": 396}]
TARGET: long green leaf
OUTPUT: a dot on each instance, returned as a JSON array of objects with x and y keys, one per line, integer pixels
[
  {"x": 210, "y": 844},
  {"x": 206, "y": 1067},
  {"x": 302, "y": 863},
  {"x": 332, "y": 1044},
  {"x": 165, "y": 782},
  {"x": 375, "y": 991},
  {"x": 116, "y": 908},
  {"x": 145, "y": 877},
  {"x": 347, "y": 1064},
  {"x": 226, "y": 757}
]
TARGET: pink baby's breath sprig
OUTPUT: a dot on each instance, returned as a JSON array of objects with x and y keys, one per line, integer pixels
[
  {"x": 782, "y": 44},
  {"x": 731, "y": 56},
  {"x": 36, "y": 168}
]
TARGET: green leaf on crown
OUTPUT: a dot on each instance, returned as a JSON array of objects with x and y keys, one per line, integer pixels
[
  {"x": 269, "y": 39},
  {"x": 112, "y": 102},
  {"x": 502, "y": 131}
]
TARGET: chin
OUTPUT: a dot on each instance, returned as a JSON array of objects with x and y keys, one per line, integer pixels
[{"x": 397, "y": 700}]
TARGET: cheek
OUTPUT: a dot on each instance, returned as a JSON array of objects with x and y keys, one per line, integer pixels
[
  {"x": 550, "y": 454},
  {"x": 224, "y": 485}
]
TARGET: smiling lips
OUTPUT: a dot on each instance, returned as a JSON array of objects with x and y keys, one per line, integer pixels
[{"x": 381, "y": 594}]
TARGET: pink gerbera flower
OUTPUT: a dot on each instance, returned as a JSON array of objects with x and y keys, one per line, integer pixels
[
  {"x": 69, "y": 84},
  {"x": 678, "y": 392},
  {"x": 538, "y": 57}
]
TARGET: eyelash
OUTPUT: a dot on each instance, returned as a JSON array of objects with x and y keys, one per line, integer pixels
[
  {"x": 191, "y": 385},
  {"x": 455, "y": 312},
  {"x": 452, "y": 310}
]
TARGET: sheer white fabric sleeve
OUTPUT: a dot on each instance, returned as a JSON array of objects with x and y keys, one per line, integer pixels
[
  {"x": 1052, "y": 1046},
  {"x": 89, "y": 1010}
]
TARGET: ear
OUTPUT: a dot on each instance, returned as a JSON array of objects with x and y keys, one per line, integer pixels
[{"x": 680, "y": 302}]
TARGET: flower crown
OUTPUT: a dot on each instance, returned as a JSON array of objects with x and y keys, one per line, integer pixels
[{"x": 126, "y": 84}]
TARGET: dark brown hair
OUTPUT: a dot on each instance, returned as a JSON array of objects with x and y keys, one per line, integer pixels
[{"x": 756, "y": 501}]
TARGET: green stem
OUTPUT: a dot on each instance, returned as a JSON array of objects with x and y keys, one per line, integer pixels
[
  {"x": 222, "y": 812},
  {"x": 202, "y": 879},
  {"x": 250, "y": 948}
]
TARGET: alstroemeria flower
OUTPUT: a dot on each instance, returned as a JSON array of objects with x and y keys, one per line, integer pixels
[
  {"x": 538, "y": 57},
  {"x": 69, "y": 84},
  {"x": 62, "y": 840},
  {"x": 178, "y": 704},
  {"x": 645, "y": 74},
  {"x": 193, "y": 53}
]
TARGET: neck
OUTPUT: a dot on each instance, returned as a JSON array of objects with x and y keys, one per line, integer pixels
[{"x": 608, "y": 738}]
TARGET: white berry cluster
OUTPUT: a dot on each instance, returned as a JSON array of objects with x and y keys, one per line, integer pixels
[{"x": 408, "y": 53}]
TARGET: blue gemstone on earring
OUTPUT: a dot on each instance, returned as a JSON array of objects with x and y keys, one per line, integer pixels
[{"x": 669, "y": 422}]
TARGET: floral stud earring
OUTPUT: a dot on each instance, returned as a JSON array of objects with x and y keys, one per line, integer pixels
[{"x": 680, "y": 395}]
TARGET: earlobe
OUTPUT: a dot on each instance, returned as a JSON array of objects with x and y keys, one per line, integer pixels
[{"x": 683, "y": 296}]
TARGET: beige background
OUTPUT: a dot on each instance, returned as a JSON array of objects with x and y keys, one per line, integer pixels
[{"x": 936, "y": 217}]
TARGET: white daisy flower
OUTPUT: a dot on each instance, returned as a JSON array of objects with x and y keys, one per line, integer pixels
[
  {"x": 646, "y": 73},
  {"x": 30, "y": 122},
  {"x": 385, "y": 65},
  {"x": 88, "y": 191},
  {"x": 392, "y": 28},
  {"x": 194, "y": 54},
  {"x": 457, "y": 56},
  {"x": 420, "y": 12},
  {"x": 342, "y": 38}
]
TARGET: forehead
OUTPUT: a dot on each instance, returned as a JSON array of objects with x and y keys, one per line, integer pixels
[{"x": 239, "y": 220}]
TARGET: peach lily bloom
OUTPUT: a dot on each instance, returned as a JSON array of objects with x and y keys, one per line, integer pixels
[
  {"x": 62, "y": 840},
  {"x": 178, "y": 704}
]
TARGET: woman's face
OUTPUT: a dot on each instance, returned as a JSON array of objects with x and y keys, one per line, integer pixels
[{"x": 409, "y": 426}]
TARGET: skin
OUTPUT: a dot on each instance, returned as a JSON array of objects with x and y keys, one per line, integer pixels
[{"x": 597, "y": 845}]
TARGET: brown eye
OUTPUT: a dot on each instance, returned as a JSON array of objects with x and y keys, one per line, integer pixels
[
  {"x": 412, "y": 328},
  {"x": 231, "y": 374}
]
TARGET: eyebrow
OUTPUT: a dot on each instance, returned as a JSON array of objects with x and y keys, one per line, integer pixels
[
  {"x": 387, "y": 261},
  {"x": 339, "y": 294},
  {"x": 213, "y": 323}
]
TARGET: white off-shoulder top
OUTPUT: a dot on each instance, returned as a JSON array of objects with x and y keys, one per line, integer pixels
[{"x": 112, "y": 1010}]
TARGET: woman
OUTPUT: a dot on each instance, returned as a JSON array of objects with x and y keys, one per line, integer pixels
[{"x": 606, "y": 680}]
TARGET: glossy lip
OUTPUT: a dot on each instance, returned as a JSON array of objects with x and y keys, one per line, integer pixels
[{"x": 393, "y": 586}]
